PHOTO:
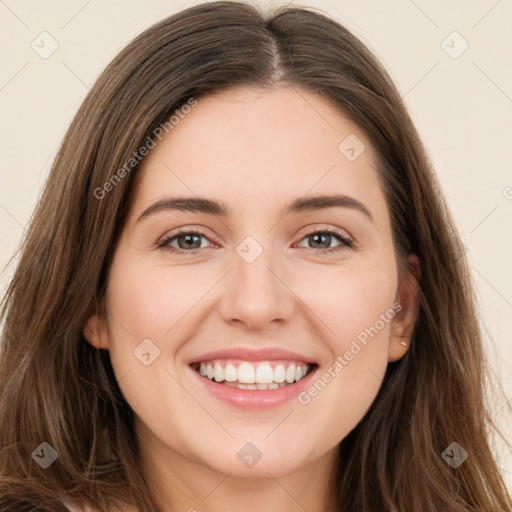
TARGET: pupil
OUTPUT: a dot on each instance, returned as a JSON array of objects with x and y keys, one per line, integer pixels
[
  {"x": 316, "y": 238},
  {"x": 317, "y": 235},
  {"x": 189, "y": 240}
]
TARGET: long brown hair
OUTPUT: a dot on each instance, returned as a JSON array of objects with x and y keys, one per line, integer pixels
[{"x": 56, "y": 388}]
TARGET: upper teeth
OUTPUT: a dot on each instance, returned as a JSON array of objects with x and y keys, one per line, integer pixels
[{"x": 254, "y": 373}]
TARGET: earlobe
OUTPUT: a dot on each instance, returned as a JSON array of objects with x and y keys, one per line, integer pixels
[
  {"x": 95, "y": 331},
  {"x": 405, "y": 319}
]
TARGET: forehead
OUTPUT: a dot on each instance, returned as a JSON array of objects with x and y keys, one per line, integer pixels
[{"x": 252, "y": 145}]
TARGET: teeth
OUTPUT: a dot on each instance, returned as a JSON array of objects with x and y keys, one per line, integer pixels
[
  {"x": 272, "y": 385},
  {"x": 280, "y": 373},
  {"x": 264, "y": 374},
  {"x": 218, "y": 372},
  {"x": 246, "y": 374},
  {"x": 290, "y": 374},
  {"x": 253, "y": 375},
  {"x": 230, "y": 373}
]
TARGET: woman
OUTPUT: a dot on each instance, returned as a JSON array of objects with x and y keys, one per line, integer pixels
[{"x": 175, "y": 339}]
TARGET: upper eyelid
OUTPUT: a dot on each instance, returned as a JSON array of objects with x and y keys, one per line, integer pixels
[{"x": 322, "y": 228}]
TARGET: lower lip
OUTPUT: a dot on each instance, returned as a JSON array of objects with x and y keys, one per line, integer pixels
[{"x": 255, "y": 398}]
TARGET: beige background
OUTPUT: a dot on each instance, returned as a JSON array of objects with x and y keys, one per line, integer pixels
[{"x": 462, "y": 107}]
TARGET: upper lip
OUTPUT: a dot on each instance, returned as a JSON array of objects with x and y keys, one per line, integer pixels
[{"x": 248, "y": 354}]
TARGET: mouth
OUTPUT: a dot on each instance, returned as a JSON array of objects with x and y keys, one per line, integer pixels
[
  {"x": 253, "y": 375},
  {"x": 253, "y": 379}
]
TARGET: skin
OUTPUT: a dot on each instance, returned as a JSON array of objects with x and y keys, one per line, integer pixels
[{"x": 255, "y": 151}]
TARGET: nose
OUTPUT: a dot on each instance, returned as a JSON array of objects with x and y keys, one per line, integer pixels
[{"x": 256, "y": 294}]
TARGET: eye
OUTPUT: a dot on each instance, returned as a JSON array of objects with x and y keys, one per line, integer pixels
[
  {"x": 189, "y": 242},
  {"x": 324, "y": 237}
]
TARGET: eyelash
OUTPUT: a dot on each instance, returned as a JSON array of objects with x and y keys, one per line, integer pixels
[{"x": 346, "y": 242}]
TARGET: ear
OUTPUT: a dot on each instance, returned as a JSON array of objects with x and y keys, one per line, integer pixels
[
  {"x": 405, "y": 318},
  {"x": 95, "y": 329}
]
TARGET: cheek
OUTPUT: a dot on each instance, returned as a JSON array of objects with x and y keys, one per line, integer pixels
[
  {"x": 151, "y": 302},
  {"x": 153, "y": 311},
  {"x": 356, "y": 308},
  {"x": 352, "y": 299},
  {"x": 148, "y": 315},
  {"x": 346, "y": 386}
]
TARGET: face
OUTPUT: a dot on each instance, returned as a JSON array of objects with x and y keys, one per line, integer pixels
[{"x": 251, "y": 333}]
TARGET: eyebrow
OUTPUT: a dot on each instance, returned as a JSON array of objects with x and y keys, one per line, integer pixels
[{"x": 211, "y": 207}]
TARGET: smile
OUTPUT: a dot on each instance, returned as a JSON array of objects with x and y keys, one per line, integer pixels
[
  {"x": 253, "y": 379},
  {"x": 261, "y": 375}
]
